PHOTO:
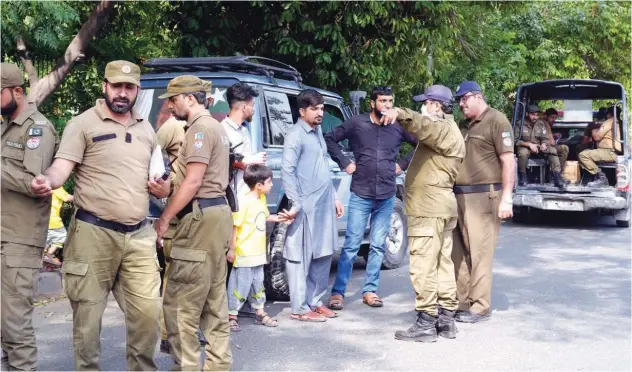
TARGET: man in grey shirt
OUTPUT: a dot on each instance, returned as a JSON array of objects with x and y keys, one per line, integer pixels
[{"x": 313, "y": 236}]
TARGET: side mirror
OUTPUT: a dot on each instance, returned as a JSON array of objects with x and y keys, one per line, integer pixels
[{"x": 355, "y": 97}]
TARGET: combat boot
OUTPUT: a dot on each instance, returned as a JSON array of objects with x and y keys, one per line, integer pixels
[
  {"x": 558, "y": 181},
  {"x": 522, "y": 177},
  {"x": 424, "y": 329},
  {"x": 600, "y": 181},
  {"x": 446, "y": 326}
]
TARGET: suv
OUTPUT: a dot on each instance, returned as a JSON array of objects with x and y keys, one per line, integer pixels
[
  {"x": 278, "y": 85},
  {"x": 578, "y": 98}
]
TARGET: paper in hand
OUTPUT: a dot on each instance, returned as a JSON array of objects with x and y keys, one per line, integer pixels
[{"x": 156, "y": 164}]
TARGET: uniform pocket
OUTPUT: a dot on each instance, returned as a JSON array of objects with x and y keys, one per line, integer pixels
[
  {"x": 79, "y": 285},
  {"x": 21, "y": 272},
  {"x": 187, "y": 265},
  {"x": 13, "y": 153},
  {"x": 420, "y": 234}
]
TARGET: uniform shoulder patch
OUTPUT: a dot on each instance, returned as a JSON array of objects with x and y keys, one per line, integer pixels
[
  {"x": 507, "y": 142},
  {"x": 506, "y": 135},
  {"x": 35, "y": 132},
  {"x": 197, "y": 144},
  {"x": 33, "y": 143},
  {"x": 199, "y": 135}
]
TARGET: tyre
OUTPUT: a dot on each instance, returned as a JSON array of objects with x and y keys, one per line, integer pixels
[
  {"x": 396, "y": 246},
  {"x": 520, "y": 215},
  {"x": 623, "y": 217},
  {"x": 275, "y": 279}
]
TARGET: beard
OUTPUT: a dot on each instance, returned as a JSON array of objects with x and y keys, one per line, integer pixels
[
  {"x": 377, "y": 113},
  {"x": 10, "y": 108},
  {"x": 180, "y": 117},
  {"x": 119, "y": 105}
]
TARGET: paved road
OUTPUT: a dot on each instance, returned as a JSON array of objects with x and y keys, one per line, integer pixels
[{"x": 561, "y": 302}]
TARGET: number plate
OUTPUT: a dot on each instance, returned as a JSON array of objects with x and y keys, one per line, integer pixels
[{"x": 564, "y": 205}]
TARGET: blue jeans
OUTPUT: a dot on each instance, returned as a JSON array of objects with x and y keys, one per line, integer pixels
[{"x": 358, "y": 214}]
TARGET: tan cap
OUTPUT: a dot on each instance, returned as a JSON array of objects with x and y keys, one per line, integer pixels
[
  {"x": 122, "y": 72},
  {"x": 208, "y": 84},
  {"x": 185, "y": 84},
  {"x": 11, "y": 75}
]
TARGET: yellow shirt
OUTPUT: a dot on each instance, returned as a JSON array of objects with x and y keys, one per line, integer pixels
[
  {"x": 250, "y": 220},
  {"x": 59, "y": 197}
]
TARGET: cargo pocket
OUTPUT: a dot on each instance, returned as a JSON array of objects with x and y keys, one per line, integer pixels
[
  {"x": 420, "y": 235},
  {"x": 78, "y": 284},
  {"x": 22, "y": 272},
  {"x": 187, "y": 265}
]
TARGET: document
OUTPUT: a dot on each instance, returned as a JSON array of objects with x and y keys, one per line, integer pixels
[{"x": 156, "y": 164}]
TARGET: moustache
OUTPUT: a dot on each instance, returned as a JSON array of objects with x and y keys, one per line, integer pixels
[{"x": 121, "y": 99}]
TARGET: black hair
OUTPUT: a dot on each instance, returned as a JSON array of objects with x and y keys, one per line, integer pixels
[
  {"x": 447, "y": 107},
  {"x": 309, "y": 97},
  {"x": 199, "y": 96},
  {"x": 381, "y": 91},
  {"x": 610, "y": 110},
  {"x": 256, "y": 173},
  {"x": 550, "y": 111},
  {"x": 240, "y": 92}
]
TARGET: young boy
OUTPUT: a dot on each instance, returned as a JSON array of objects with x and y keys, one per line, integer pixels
[
  {"x": 56, "y": 230},
  {"x": 248, "y": 251}
]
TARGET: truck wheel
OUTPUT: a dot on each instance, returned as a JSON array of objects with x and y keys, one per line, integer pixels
[
  {"x": 623, "y": 217},
  {"x": 275, "y": 280},
  {"x": 396, "y": 246}
]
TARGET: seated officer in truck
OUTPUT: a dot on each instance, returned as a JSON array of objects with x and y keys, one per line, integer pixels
[
  {"x": 534, "y": 139},
  {"x": 605, "y": 151}
]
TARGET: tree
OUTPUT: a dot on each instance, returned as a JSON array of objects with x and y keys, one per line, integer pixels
[{"x": 24, "y": 29}]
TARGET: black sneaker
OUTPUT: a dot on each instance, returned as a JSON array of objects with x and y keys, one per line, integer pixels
[
  {"x": 469, "y": 317},
  {"x": 423, "y": 330},
  {"x": 446, "y": 327}
]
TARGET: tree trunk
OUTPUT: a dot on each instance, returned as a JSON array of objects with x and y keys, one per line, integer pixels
[
  {"x": 27, "y": 62},
  {"x": 47, "y": 84}
]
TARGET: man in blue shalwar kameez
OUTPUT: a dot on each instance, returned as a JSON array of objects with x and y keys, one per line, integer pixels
[{"x": 313, "y": 236}]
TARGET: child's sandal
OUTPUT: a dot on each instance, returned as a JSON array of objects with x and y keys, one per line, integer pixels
[{"x": 264, "y": 319}]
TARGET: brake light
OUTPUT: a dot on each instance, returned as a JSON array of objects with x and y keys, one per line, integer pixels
[{"x": 623, "y": 177}]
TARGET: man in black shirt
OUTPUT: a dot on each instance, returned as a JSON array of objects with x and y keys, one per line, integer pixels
[{"x": 375, "y": 148}]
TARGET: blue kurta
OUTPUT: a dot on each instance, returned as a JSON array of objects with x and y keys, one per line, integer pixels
[{"x": 307, "y": 181}]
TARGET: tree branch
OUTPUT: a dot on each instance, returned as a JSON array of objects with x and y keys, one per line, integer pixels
[
  {"x": 27, "y": 62},
  {"x": 74, "y": 52}
]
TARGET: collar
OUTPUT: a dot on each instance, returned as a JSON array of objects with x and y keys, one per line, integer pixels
[
  {"x": 26, "y": 113},
  {"x": 232, "y": 124},
  {"x": 480, "y": 117},
  {"x": 104, "y": 113},
  {"x": 197, "y": 116},
  {"x": 305, "y": 126}
]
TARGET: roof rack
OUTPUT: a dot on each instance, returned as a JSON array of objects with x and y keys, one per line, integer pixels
[{"x": 246, "y": 64}]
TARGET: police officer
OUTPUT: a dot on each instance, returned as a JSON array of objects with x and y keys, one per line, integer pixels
[
  {"x": 550, "y": 116},
  {"x": 28, "y": 146},
  {"x": 110, "y": 244},
  {"x": 483, "y": 191},
  {"x": 196, "y": 282},
  {"x": 534, "y": 139},
  {"x": 606, "y": 150},
  {"x": 431, "y": 210},
  {"x": 170, "y": 136}
]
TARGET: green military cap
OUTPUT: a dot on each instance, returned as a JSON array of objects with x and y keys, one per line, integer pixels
[
  {"x": 185, "y": 84},
  {"x": 122, "y": 72},
  {"x": 11, "y": 76}
]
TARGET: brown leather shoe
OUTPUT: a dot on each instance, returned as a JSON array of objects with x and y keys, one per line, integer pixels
[{"x": 324, "y": 311}]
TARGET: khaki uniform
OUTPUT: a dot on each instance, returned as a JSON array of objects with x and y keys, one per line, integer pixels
[
  {"x": 431, "y": 208},
  {"x": 195, "y": 293},
  {"x": 28, "y": 146},
  {"x": 486, "y": 138},
  {"x": 111, "y": 184},
  {"x": 562, "y": 150},
  {"x": 537, "y": 133},
  {"x": 605, "y": 151}
]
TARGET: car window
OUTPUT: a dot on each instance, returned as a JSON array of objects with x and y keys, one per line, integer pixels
[
  {"x": 154, "y": 109},
  {"x": 283, "y": 113}
]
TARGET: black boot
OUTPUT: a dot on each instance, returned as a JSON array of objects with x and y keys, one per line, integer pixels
[
  {"x": 446, "y": 326},
  {"x": 424, "y": 329},
  {"x": 600, "y": 181},
  {"x": 522, "y": 179},
  {"x": 164, "y": 347},
  {"x": 558, "y": 181}
]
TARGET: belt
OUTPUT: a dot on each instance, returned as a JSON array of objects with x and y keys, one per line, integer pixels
[
  {"x": 90, "y": 218},
  {"x": 203, "y": 203},
  {"x": 471, "y": 189}
]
